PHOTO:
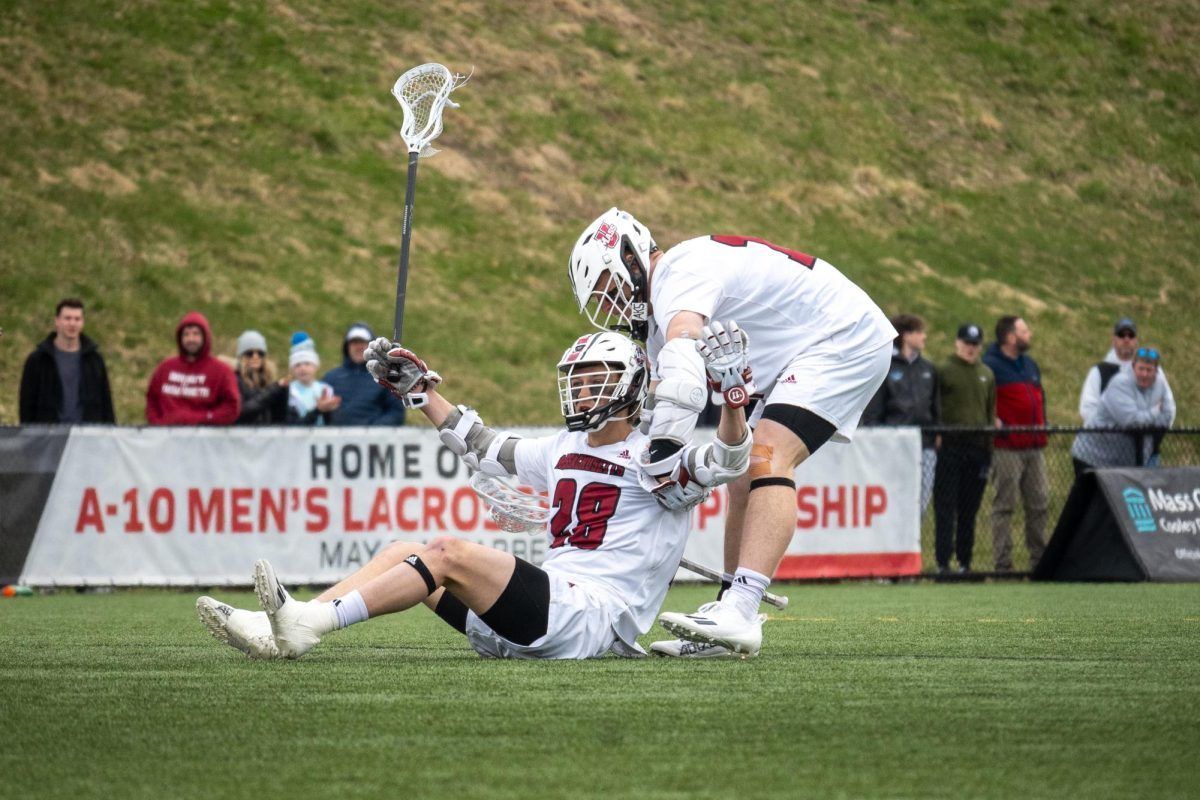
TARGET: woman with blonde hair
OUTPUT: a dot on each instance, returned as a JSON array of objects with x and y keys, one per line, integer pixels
[{"x": 264, "y": 398}]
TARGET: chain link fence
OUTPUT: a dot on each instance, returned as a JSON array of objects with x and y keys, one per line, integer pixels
[{"x": 997, "y": 482}]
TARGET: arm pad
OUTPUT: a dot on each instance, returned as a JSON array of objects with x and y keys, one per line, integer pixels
[
  {"x": 678, "y": 399},
  {"x": 480, "y": 447}
]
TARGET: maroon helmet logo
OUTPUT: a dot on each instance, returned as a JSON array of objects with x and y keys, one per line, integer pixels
[{"x": 606, "y": 235}]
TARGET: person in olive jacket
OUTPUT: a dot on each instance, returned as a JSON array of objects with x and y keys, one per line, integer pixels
[{"x": 967, "y": 396}]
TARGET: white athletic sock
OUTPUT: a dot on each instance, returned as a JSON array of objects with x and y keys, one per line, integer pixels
[
  {"x": 747, "y": 591},
  {"x": 350, "y": 608}
]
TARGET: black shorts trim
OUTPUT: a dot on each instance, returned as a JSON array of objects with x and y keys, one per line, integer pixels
[
  {"x": 453, "y": 611},
  {"x": 521, "y": 613},
  {"x": 812, "y": 429}
]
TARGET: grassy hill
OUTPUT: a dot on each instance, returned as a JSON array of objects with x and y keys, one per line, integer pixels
[{"x": 960, "y": 160}]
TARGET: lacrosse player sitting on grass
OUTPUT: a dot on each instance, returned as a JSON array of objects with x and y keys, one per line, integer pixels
[
  {"x": 614, "y": 546},
  {"x": 821, "y": 349}
]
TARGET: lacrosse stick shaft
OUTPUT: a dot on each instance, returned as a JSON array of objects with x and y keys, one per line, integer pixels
[
  {"x": 405, "y": 241},
  {"x": 778, "y": 601}
]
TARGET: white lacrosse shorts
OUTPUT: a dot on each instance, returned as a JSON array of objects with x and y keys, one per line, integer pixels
[
  {"x": 835, "y": 387},
  {"x": 580, "y": 626}
]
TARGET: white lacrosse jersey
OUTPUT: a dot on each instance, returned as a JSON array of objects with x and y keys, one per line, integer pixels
[
  {"x": 607, "y": 531},
  {"x": 785, "y": 300}
]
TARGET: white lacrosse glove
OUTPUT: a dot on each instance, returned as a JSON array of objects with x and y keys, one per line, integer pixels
[
  {"x": 678, "y": 491},
  {"x": 400, "y": 371},
  {"x": 726, "y": 353}
]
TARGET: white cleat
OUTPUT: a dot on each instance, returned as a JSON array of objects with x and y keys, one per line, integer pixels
[
  {"x": 248, "y": 631},
  {"x": 717, "y": 623},
  {"x": 297, "y": 627},
  {"x": 682, "y": 648}
]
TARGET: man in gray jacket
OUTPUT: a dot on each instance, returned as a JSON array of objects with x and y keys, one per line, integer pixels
[
  {"x": 1134, "y": 398},
  {"x": 1120, "y": 357}
]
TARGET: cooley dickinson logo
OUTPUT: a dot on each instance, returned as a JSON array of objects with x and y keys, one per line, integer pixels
[
  {"x": 1169, "y": 508},
  {"x": 1139, "y": 511}
]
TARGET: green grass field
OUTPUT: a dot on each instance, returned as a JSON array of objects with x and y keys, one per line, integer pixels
[{"x": 864, "y": 690}]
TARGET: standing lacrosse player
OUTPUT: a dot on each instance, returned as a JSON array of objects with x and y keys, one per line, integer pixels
[
  {"x": 821, "y": 349},
  {"x": 614, "y": 547}
]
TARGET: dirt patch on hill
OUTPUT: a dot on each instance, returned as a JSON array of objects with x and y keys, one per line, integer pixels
[{"x": 97, "y": 176}]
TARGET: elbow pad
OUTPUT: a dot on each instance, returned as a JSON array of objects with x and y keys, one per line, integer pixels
[{"x": 480, "y": 447}]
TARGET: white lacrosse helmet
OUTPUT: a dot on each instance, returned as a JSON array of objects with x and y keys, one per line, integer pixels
[
  {"x": 602, "y": 377},
  {"x": 619, "y": 245}
]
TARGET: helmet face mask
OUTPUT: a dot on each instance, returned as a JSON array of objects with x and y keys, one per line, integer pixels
[
  {"x": 609, "y": 271},
  {"x": 602, "y": 378}
]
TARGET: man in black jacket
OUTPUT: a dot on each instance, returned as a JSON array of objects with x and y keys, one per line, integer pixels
[
  {"x": 908, "y": 395},
  {"x": 65, "y": 380}
]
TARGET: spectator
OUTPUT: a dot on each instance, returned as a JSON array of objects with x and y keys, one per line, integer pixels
[
  {"x": 1137, "y": 397},
  {"x": 364, "y": 402},
  {"x": 967, "y": 398},
  {"x": 194, "y": 387},
  {"x": 64, "y": 380},
  {"x": 1120, "y": 357},
  {"x": 1019, "y": 457},
  {"x": 908, "y": 396},
  {"x": 264, "y": 399},
  {"x": 310, "y": 401}
]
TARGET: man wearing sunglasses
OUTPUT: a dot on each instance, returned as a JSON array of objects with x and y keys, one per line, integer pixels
[
  {"x": 1120, "y": 357},
  {"x": 1134, "y": 398}
]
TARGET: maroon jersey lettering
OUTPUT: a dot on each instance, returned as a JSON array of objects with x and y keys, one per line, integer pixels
[{"x": 587, "y": 463}]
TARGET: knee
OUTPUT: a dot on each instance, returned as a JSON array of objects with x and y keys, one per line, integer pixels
[
  {"x": 444, "y": 551},
  {"x": 395, "y": 552},
  {"x": 773, "y": 463}
]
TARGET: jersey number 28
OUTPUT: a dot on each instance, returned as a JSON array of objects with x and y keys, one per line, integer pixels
[{"x": 596, "y": 504}]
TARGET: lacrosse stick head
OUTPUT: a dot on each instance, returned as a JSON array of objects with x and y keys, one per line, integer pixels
[
  {"x": 601, "y": 377},
  {"x": 423, "y": 93},
  {"x": 609, "y": 271},
  {"x": 511, "y": 509}
]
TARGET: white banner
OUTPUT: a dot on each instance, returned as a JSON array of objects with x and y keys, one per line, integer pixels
[
  {"x": 197, "y": 506},
  {"x": 857, "y": 511}
]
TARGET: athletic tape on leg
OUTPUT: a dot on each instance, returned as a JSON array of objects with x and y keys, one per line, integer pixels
[{"x": 416, "y": 563}]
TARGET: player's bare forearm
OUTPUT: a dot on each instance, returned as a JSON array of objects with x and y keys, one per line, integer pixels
[
  {"x": 731, "y": 429},
  {"x": 438, "y": 408}
]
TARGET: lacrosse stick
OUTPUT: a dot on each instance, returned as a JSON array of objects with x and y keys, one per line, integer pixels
[
  {"x": 779, "y": 601},
  {"x": 511, "y": 509},
  {"x": 423, "y": 92}
]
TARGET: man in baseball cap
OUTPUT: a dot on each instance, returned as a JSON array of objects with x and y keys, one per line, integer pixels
[
  {"x": 364, "y": 402},
  {"x": 967, "y": 394},
  {"x": 1120, "y": 357}
]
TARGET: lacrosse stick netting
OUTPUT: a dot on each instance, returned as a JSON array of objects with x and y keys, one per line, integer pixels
[
  {"x": 511, "y": 509},
  {"x": 423, "y": 92}
]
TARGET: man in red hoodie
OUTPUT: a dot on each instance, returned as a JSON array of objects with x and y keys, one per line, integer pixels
[{"x": 193, "y": 388}]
